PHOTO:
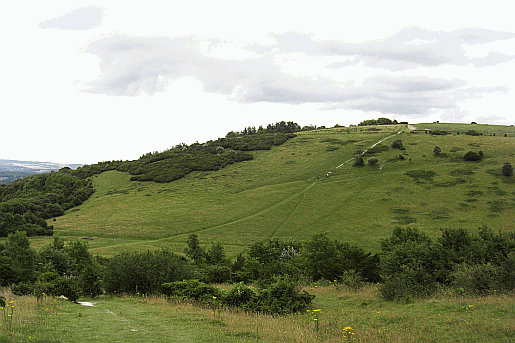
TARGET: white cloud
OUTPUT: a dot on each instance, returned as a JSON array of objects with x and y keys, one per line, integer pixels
[
  {"x": 115, "y": 80},
  {"x": 79, "y": 19}
]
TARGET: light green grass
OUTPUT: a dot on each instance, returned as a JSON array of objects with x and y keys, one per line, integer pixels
[{"x": 285, "y": 193}]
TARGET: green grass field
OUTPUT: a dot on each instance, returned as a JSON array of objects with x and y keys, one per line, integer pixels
[
  {"x": 443, "y": 318},
  {"x": 285, "y": 193}
]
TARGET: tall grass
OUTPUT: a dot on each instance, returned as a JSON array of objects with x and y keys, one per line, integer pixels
[{"x": 29, "y": 320}]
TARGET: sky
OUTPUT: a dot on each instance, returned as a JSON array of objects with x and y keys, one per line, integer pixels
[{"x": 92, "y": 81}]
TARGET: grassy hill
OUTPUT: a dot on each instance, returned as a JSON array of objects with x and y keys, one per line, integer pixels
[{"x": 285, "y": 192}]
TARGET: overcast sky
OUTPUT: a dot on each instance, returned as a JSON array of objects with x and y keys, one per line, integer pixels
[{"x": 85, "y": 82}]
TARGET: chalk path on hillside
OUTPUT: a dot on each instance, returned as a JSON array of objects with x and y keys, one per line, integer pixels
[{"x": 285, "y": 200}]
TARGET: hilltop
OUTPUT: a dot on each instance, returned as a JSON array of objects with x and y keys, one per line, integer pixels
[{"x": 307, "y": 184}]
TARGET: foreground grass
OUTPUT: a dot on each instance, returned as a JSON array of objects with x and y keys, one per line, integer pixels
[
  {"x": 154, "y": 319},
  {"x": 26, "y": 319}
]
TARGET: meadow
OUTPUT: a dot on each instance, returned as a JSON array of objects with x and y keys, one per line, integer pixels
[{"x": 286, "y": 192}]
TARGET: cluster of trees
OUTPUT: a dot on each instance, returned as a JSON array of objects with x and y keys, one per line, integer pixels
[
  {"x": 58, "y": 269},
  {"x": 410, "y": 264},
  {"x": 279, "y": 127},
  {"x": 414, "y": 265},
  {"x": 26, "y": 203},
  {"x": 380, "y": 121}
]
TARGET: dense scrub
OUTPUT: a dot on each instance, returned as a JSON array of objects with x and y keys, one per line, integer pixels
[
  {"x": 413, "y": 265},
  {"x": 410, "y": 265},
  {"x": 26, "y": 203}
]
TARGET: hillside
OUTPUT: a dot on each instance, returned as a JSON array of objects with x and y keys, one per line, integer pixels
[{"x": 287, "y": 192}]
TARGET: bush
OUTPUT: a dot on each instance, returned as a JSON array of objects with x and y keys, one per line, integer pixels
[
  {"x": 133, "y": 272},
  {"x": 51, "y": 284},
  {"x": 240, "y": 295},
  {"x": 507, "y": 169},
  {"x": 372, "y": 160},
  {"x": 472, "y": 156},
  {"x": 409, "y": 283},
  {"x": 479, "y": 279},
  {"x": 437, "y": 151},
  {"x": 192, "y": 290},
  {"x": 329, "y": 259},
  {"x": 397, "y": 144},
  {"x": 281, "y": 297},
  {"x": 359, "y": 162}
]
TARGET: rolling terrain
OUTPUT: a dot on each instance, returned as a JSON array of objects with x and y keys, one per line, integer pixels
[{"x": 306, "y": 185}]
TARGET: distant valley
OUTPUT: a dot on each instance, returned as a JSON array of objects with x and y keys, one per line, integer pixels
[{"x": 11, "y": 170}]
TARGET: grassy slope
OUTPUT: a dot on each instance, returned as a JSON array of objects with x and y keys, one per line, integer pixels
[{"x": 284, "y": 193}]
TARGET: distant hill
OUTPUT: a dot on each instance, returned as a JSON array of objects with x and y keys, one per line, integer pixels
[{"x": 11, "y": 170}]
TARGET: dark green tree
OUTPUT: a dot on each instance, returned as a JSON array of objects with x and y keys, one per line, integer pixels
[{"x": 194, "y": 251}]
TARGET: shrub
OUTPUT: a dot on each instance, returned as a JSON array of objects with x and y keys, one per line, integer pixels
[
  {"x": 325, "y": 258},
  {"x": 437, "y": 151},
  {"x": 132, "y": 272},
  {"x": 192, "y": 290},
  {"x": 281, "y": 297},
  {"x": 407, "y": 265},
  {"x": 239, "y": 296},
  {"x": 51, "y": 284},
  {"x": 397, "y": 144},
  {"x": 472, "y": 156},
  {"x": 507, "y": 169},
  {"x": 409, "y": 283},
  {"x": 372, "y": 160},
  {"x": 478, "y": 279},
  {"x": 359, "y": 162},
  {"x": 352, "y": 279}
]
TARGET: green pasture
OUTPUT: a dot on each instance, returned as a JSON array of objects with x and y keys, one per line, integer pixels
[
  {"x": 288, "y": 192},
  {"x": 338, "y": 314}
]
